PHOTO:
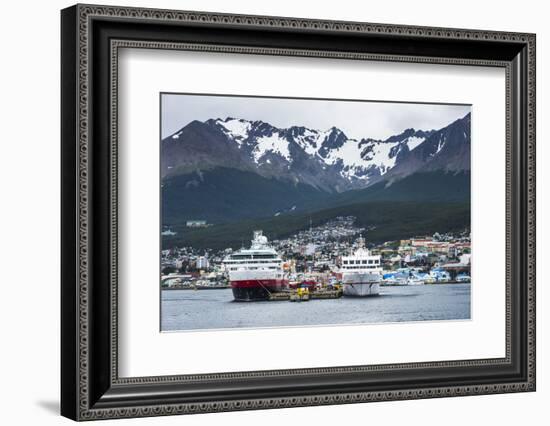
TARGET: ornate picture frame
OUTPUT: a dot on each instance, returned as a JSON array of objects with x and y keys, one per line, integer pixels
[{"x": 91, "y": 37}]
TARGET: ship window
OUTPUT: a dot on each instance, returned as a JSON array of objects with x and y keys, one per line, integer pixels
[
  {"x": 345, "y": 262},
  {"x": 370, "y": 262}
]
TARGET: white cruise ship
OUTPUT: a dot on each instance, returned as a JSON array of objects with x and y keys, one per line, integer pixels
[
  {"x": 361, "y": 272},
  {"x": 256, "y": 272}
]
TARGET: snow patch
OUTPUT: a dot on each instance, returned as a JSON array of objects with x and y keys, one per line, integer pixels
[
  {"x": 414, "y": 141},
  {"x": 308, "y": 141},
  {"x": 274, "y": 143},
  {"x": 350, "y": 156},
  {"x": 441, "y": 144},
  {"x": 236, "y": 129},
  {"x": 349, "y": 153},
  {"x": 381, "y": 156}
]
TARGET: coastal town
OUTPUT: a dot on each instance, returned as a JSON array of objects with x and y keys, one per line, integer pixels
[{"x": 314, "y": 256}]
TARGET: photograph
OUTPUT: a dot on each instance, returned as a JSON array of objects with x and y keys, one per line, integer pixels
[
  {"x": 359, "y": 208},
  {"x": 279, "y": 207}
]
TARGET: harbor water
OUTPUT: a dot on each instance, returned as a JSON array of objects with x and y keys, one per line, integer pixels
[{"x": 183, "y": 310}]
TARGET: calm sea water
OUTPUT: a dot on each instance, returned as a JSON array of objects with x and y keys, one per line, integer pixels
[{"x": 215, "y": 309}]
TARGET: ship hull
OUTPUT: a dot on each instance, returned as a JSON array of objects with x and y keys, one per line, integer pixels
[
  {"x": 361, "y": 284},
  {"x": 361, "y": 289},
  {"x": 256, "y": 289}
]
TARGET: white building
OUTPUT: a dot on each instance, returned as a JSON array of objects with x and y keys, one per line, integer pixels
[{"x": 202, "y": 262}]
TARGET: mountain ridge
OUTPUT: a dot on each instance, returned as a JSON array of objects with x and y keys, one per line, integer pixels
[{"x": 327, "y": 160}]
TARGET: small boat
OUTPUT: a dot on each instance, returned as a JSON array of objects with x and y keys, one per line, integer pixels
[
  {"x": 301, "y": 294},
  {"x": 415, "y": 281},
  {"x": 394, "y": 279},
  {"x": 463, "y": 278},
  {"x": 429, "y": 280},
  {"x": 440, "y": 275}
]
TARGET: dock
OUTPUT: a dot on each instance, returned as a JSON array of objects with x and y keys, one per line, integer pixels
[{"x": 296, "y": 296}]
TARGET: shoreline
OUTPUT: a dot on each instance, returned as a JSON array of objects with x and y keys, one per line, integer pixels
[{"x": 381, "y": 285}]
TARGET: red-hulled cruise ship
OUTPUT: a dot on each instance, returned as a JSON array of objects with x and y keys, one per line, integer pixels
[{"x": 256, "y": 272}]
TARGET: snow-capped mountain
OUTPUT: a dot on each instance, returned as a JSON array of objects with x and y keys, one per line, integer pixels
[{"x": 325, "y": 159}]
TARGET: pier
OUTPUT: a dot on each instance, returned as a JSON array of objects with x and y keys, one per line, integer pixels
[{"x": 297, "y": 295}]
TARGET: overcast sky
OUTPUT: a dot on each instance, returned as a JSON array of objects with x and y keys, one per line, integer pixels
[{"x": 378, "y": 120}]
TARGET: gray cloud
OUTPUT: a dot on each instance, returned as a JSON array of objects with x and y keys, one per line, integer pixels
[{"x": 377, "y": 120}]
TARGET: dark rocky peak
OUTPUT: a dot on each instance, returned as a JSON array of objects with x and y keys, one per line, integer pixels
[
  {"x": 407, "y": 133},
  {"x": 334, "y": 138},
  {"x": 295, "y": 131},
  {"x": 368, "y": 141},
  {"x": 261, "y": 128},
  {"x": 194, "y": 126}
]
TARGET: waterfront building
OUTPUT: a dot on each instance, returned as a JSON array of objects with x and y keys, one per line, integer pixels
[{"x": 202, "y": 262}]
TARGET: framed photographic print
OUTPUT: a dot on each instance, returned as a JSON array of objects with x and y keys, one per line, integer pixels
[{"x": 263, "y": 212}]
